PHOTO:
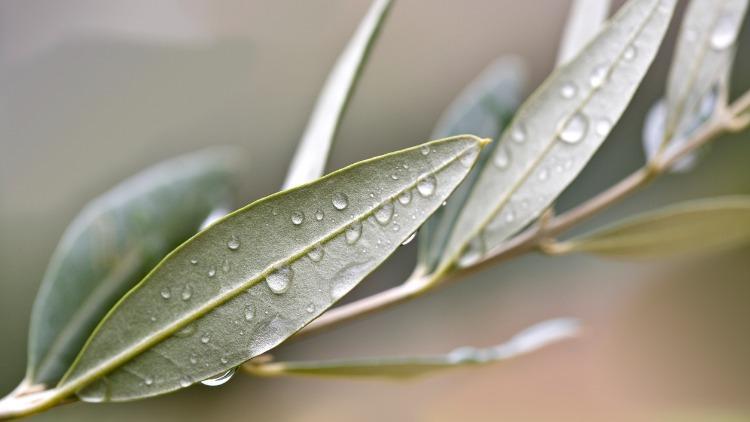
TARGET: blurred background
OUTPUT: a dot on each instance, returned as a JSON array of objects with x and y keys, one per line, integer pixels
[{"x": 93, "y": 91}]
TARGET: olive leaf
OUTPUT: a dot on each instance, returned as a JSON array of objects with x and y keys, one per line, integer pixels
[
  {"x": 253, "y": 278},
  {"x": 111, "y": 245},
  {"x": 483, "y": 108},
  {"x": 312, "y": 153},
  {"x": 528, "y": 340},
  {"x": 558, "y": 129},
  {"x": 584, "y": 22},
  {"x": 689, "y": 227},
  {"x": 698, "y": 82}
]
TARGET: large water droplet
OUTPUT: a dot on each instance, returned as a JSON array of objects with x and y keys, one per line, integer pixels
[
  {"x": 598, "y": 76},
  {"x": 425, "y": 150},
  {"x": 574, "y": 129},
  {"x": 568, "y": 90},
  {"x": 279, "y": 280},
  {"x": 319, "y": 214},
  {"x": 165, "y": 293},
  {"x": 187, "y": 292},
  {"x": 220, "y": 379},
  {"x": 724, "y": 33},
  {"x": 297, "y": 218},
  {"x": 384, "y": 213},
  {"x": 501, "y": 158},
  {"x": 340, "y": 201},
  {"x": 233, "y": 243},
  {"x": 404, "y": 197},
  {"x": 249, "y": 312},
  {"x": 316, "y": 253},
  {"x": 468, "y": 157},
  {"x": 353, "y": 232},
  {"x": 518, "y": 134},
  {"x": 426, "y": 185},
  {"x": 473, "y": 252},
  {"x": 409, "y": 239}
]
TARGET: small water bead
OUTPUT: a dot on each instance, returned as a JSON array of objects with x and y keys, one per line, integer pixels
[
  {"x": 310, "y": 308},
  {"x": 225, "y": 266},
  {"x": 193, "y": 359},
  {"x": 220, "y": 379},
  {"x": 574, "y": 129},
  {"x": 185, "y": 382},
  {"x": 340, "y": 201},
  {"x": 425, "y": 150},
  {"x": 384, "y": 213},
  {"x": 468, "y": 157},
  {"x": 193, "y": 261},
  {"x": 353, "y": 232},
  {"x": 166, "y": 293},
  {"x": 426, "y": 185},
  {"x": 187, "y": 292},
  {"x": 543, "y": 175},
  {"x": 409, "y": 239},
  {"x": 297, "y": 218},
  {"x": 518, "y": 134},
  {"x": 319, "y": 214},
  {"x": 603, "y": 127},
  {"x": 394, "y": 177},
  {"x": 630, "y": 53},
  {"x": 205, "y": 339},
  {"x": 404, "y": 197},
  {"x": 211, "y": 272},
  {"x": 249, "y": 312},
  {"x": 316, "y": 253},
  {"x": 502, "y": 158},
  {"x": 148, "y": 381},
  {"x": 510, "y": 216},
  {"x": 233, "y": 243},
  {"x": 405, "y": 166},
  {"x": 598, "y": 76},
  {"x": 396, "y": 227},
  {"x": 568, "y": 90},
  {"x": 152, "y": 319},
  {"x": 224, "y": 360},
  {"x": 279, "y": 280}
]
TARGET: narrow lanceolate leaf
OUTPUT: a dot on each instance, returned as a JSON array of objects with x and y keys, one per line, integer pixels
[
  {"x": 699, "y": 76},
  {"x": 584, "y": 22},
  {"x": 312, "y": 153},
  {"x": 258, "y": 275},
  {"x": 111, "y": 245},
  {"x": 558, "y": 129},
  {"x": 690, "y": 227},
  {"x": 484, "y": 108},
  {"x": 529, "y": 340}
]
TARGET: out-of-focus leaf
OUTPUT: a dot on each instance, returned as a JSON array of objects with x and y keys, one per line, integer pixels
[
  {"x": 529, "y": 340},
  {"x": 483, "y": 108},
  {"x": 699, "y": 76},
  {"x": 584, "y": 22},
  {"x": 253, "y": 278},
  {"x": 689, "y": 227},
  {"x": 558, "y": 130},
  {"x": 312, "y": 153},
  {"x": 111, "y": 245}
]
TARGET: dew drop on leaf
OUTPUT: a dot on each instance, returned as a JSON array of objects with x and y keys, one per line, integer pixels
[
  {"x": 249, "y": 312},
  {"x": 319, "y": 214},
  {"x": 297, "y": 218},
  {"x": 233, "y": 243},
  {"x": 468, "y": 158},
  {"x": 518, "y": 134},
  {"x": 568, "y": 90},
  {"x": 316, "y": 253},
  {"x": 409, "y": 239},
  {"x": 723, "y": 34},
  {"x": 574, "y": 129},
  {"x": 340, "y": 201},
  {"x": 353, "y": 232},
  {"x": 598, "y": 76},
  {"x": 426, "y": 185},
  {"x": 630, "y": 53},
  {"x": 279, "y": 280},
  {"x": 220, "y": 379},
  {"x": 404, "y": 197},
  {"x": 425, "y": 150},
  {"x": 165, "y": 293},
  {"x": 502, "y": 158},
  {"x": 187, "y": 292},
  {"x": 384, "y": 213}
]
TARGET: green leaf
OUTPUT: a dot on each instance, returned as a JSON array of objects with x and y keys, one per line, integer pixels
[
  {"x": 483, "y": 108},
  {"x": 584, "y": 22},
  {"x": 263, "y": 272},
  {"x": 558, "y": 130},
  {"x": 312, "y": 153},
  {"x": 529, "y": 340},
  {"x": 111, "y": 245},
  {"x": 690, "y": 227}
]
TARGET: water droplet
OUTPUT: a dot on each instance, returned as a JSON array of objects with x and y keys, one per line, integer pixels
[
  {"x": 193, "y": 359},
  {"x": 404, "y": 197},
  {"x": 319, "y": 214},
  {"x": 165, "y": 293},
  {"x": 598, "y": 76},
  {"x": 410, "y": 238},
  {"x": 568, "y": 90},
  {"x": 518, "y": 134},
  {"x": 502, "y": 158},
  {"x": 297, "y": 218},
  {"x": 224, "y": 360},
  {"x": 384, "y": 213},
  {"x": 353, "y": 232},
  {"x": 543, "y": 175},
  {"x": 473, "y": 253},
  {"x": 426, "y": 185},
  {"x": 187, "y": 292},
  {"x": 394, "y": 177},
  {"x": 603, "y": 127},
  {"x": 233, "y": 243},
  {"x": 573, "y": 129},
  {"x": 424, "y": 150},
  {"x": 220, "y": 379},
  {"x": 278, "y": 281},
  {"x": 630, "y": 53},
  {"x": 193, "y": 261},
  {"x": 205, "y": 339},
  {"x": 316, "y": 253},
  {"x": 152, "y": 319},
  {"x": 185, "y": 382},
  {"x": 211, "y": 272},
  {"x": 340, "y": 201},
  {"x": 310, "y": 308},
  {"x": 148, "y": 381},
  {"x": 468, "y": 157},
  {"x": 510, "y": 216},
  {"x": 225, "y": 266},
  {"x": 186, "y": 331},
  {"x": 396, "y": 227},
  {"x": 249, "y": 312}
]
